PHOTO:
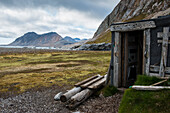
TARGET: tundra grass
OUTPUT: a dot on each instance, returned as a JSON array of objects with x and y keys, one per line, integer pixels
[
  {"x": 145, "y": 101},
  {"x": 20, "y": 72}
]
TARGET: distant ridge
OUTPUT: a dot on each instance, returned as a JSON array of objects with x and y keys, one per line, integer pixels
[{"x": 51, "y": 39}]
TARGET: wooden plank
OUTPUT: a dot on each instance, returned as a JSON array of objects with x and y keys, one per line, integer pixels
[
  {"x": 157, "y": 74},
  {"x": 144, "y": 49},
  {"x": 133, "y": 26},
  {"x": 86, "y": 80},
  {"x": 126, "y": 60},
  {"x": 91, "y": 82},
  {"x": 158, "y": 82},
  {"x": 160, "y": 41},
  {"x": 69, "y": 94},
  {"x": 117, "y": 58},
  {"x": 156, "y": 69},
  {"x": 160, "y": 34},
  {"x": 164, "y": 51},
  {"x": 148, "y": 36},
  {"x": 97, "y": 84},
  {"x": 108, "y": 76},
  {"x": 150, "y": 88}
]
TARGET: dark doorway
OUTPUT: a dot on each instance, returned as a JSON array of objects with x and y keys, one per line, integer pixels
[{"x": 132, "y": 56}]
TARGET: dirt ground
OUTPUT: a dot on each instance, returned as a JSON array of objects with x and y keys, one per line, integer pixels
[{"x": 42, "y": 101}]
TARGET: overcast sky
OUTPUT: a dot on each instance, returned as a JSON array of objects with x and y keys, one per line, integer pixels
[{"x": 75, "y": 18}]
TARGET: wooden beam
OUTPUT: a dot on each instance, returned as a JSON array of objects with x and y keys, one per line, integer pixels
[
  {"x": 157, "y": 75},
  {"x": 133, "y": 26},
  {"x": 156, "y": 69},
  {"x": 108, "y": 76},
  {"x": 164, "y": 51},
  {"x": 117, "y": 60},
  {"x": 160, "y": 41},
  {"x": 86, "y": 80},
  {"x": 147, "y": 34},
  {"x": 91, "y": 82},
  {"x": 151, "y": 88},
  {"x": 159, "y": 82},
  {"x": 144, "y": 50},
  {"x": 160, "y": 34},
  {"x": 98, "y": 84}
]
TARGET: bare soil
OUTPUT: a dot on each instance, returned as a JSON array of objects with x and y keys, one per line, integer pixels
[{"x": 41, "y": 101}]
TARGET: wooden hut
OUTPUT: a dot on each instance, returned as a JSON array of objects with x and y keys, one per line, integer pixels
[{"x": 140, "y": 47}]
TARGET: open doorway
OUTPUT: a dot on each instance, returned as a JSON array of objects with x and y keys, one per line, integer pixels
[{"x": 132, "y": 56}]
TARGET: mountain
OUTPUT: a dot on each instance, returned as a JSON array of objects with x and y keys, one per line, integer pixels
[
  {"x": 51, "y": 39},
  {"x": 64, "y": 42},
  {"x": 130, "y": 10},
  {"x": 34, "y": 39}
]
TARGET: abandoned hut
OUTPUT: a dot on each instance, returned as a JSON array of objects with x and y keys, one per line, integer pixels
[{"x": 140, "y": 47}]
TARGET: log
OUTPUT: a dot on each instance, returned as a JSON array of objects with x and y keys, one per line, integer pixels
[
  {"x": 98, "y": 84},
  {"x": 79, "y": 98},
  {"x": 57, "y": 97},
  {"x": 85, "y": 81},
  {"x": 158, "y": 82},
  {"x": 69, "y": 94},
  {"x": 151, "y": 88},
  {"x": 91, "y": 82}
]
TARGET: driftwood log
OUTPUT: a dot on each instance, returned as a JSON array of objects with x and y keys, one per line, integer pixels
[
  {"x": 152, "y": 88},
  {"x": 69, "y": 94},
  {"x": 57, "y": 97},
  {"x": 79, "y": 98}
]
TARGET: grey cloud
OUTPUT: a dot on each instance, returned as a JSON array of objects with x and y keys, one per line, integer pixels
[
  {"x": 7, "y": 34},
  {"x": 92, "y": 6}
]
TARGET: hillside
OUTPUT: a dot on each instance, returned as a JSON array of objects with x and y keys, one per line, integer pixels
[{"x": 130, "y": 10}]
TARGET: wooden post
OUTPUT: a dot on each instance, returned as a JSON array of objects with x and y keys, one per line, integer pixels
[
  {"x": 165, "y": 36},
  {"x": 144, "y": 50},
  {"x": 112, "y": 59},
  {"x": 117, "y": 59},
  {"x": 147, "y": 51}
]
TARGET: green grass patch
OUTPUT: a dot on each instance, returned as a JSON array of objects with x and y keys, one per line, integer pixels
[
  {"x": 145, "y": 101},
  {"x": 21, "y": 72},
  {"x": 146, "y": 80},
  {"x": 134, "y": 101},
  {"x": 109, "y": 90},
  {"x": 103, "y": 37}
]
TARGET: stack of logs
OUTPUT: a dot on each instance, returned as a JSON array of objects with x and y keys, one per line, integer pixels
[{"x": 81, "y": 91}]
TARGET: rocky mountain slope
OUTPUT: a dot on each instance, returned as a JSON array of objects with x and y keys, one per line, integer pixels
[{"x": 130, "y": 10}]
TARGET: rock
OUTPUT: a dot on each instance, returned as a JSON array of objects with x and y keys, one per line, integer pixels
[
  {"x": 132, "y": 10},
  {"x": 99, "y": 46}
]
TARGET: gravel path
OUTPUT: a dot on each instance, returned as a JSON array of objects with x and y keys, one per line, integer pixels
[{"x": 41, "y": 101}]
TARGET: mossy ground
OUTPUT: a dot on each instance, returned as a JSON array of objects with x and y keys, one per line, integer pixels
[
  {"x": 104, "y": 37},
  {"x": 20, "y": 72},
  {"x": 145, "y": 101},
  {"x": 109, "y": 91}
]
